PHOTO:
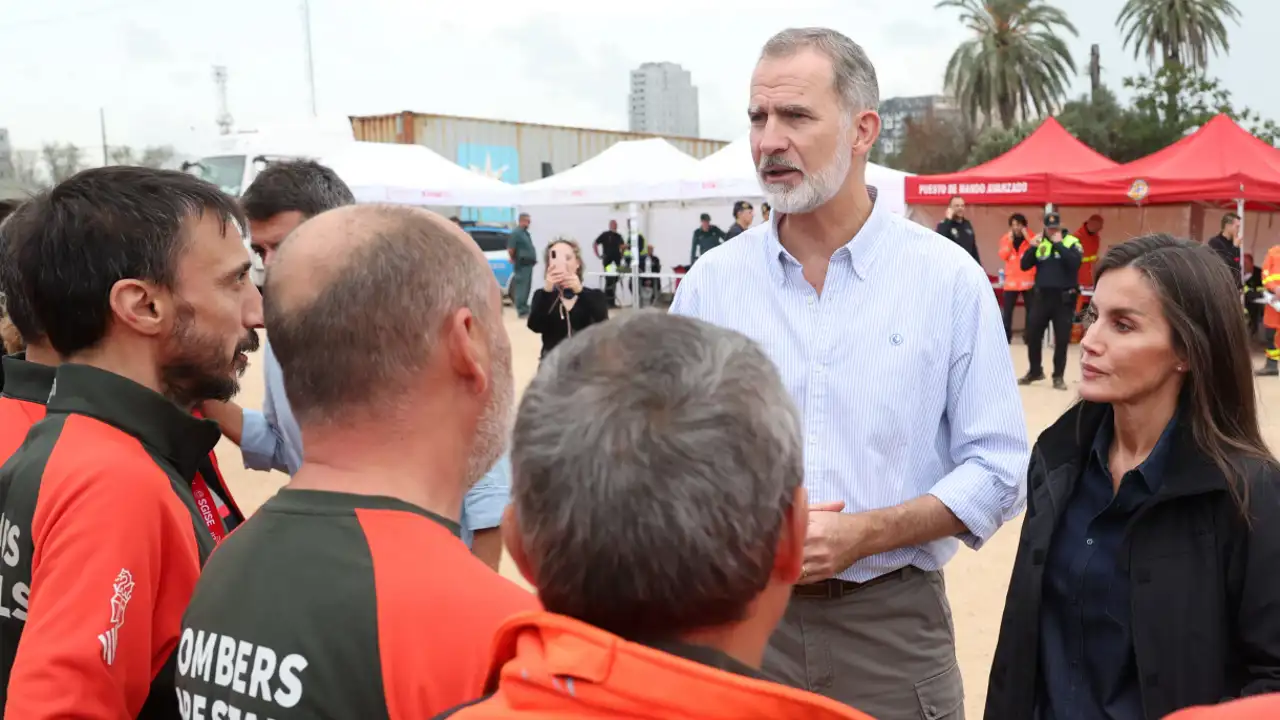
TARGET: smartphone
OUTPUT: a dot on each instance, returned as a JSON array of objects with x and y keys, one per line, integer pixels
[{"x": 559, "y": 262}]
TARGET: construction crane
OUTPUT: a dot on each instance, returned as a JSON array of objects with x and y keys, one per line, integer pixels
[{"x": 224, "y": 113}]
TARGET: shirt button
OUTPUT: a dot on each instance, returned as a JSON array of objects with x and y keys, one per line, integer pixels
[
  {"x": 813, "y": 440},
  {"x": 1089, "y": 541},
  {"x": 810, "y": 299}
]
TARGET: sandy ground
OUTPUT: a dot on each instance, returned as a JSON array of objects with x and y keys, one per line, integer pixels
[{"x": 976, "y": 581}]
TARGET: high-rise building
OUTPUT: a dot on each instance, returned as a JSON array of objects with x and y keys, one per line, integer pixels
[
  {"x": 663, "y": 100},
  {"x": 896, "y": 111}
]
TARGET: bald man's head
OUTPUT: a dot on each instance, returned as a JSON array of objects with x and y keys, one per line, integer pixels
[{"x": 357, "y": 300}]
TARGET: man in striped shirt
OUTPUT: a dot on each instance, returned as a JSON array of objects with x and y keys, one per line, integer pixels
[{"x": 913, "y": 423}]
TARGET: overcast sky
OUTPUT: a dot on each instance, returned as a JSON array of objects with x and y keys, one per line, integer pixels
[{"x": 148, "y": 62}]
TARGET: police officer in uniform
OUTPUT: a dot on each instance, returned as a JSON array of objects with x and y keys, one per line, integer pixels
[
  {"x": 706, "y": 237},
  {"x": 958, "y": 229},
  {"x": 742, "y": 215},
  {"x": 1056, "y": 259}
]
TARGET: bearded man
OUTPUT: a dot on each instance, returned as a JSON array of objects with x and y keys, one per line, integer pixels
[
  {"x": 914, "y": 434},
  {"x": 139, "y": 280},
  {"x": 354, "y": 571}
]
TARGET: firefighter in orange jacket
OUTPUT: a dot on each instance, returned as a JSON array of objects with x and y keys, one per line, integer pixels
[
  {"x": 1271, "y": 317},
  {"x": 1017, "y": 282}
]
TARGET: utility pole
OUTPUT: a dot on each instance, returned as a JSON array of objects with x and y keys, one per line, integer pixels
[
  {"x": 1095, "y": 73},
  {"x": 224, "y": 112},
  {"x": 102, "y": 125},
  {"x": 311, "y": 69}
]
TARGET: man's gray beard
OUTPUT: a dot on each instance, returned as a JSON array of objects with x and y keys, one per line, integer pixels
[
  {"x": 493, "y": 431},
  {"x": 814, "y": 190}
]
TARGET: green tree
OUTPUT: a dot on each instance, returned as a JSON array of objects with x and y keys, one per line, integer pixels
[
  {"x": 1176, "y": 34},
  {"x": 61, "y": 161},
  {"x": 993, "y": 142},
  {"x": 932, "y": 145},
  {"x": 1196, "y": 99},
  {"x": 1018, "y": 64}
]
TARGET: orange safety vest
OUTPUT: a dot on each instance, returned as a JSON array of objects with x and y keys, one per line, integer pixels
[
  {"x": 1271, "y": 281},
  {"x": 1089, "y": 245},
  {"x": 1015, "y": 278}
]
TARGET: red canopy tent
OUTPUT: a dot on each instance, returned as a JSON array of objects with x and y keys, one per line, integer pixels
[
  {"x": 1026, "y": 175},
  {"x": 1221, "y": 163}
]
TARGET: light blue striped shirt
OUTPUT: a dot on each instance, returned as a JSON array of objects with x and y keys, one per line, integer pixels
[{"x": 900, "y": 369}]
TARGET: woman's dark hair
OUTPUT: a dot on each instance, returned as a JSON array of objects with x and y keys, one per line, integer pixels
[
  {"x": 1199, "y": 299},
  {"x": 1019, "y": 217}
]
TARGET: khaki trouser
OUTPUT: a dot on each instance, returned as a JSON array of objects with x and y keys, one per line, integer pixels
[{"x": 887, "y": 649}]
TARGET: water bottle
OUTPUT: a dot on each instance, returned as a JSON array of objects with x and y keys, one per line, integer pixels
[{"x": 1001, "y": 276}]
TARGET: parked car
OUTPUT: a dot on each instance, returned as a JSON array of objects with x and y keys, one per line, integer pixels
[{"x": 492, "y": 240}]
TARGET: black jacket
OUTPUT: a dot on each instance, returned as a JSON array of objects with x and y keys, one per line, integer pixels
[
  {"x": 1229, "y": 253},
  {"x": 1205, "y": 586},
  {"x": 547, "y": 319},
  {"x": 1057, "y": 264},
  {"x": 961, "y": 233}
]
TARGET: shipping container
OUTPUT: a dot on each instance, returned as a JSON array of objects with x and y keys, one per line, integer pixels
[{"x": 510, "y": 151}]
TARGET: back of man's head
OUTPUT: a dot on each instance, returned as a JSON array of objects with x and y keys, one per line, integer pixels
[
  {"x": 19, "y": 315},
  {"x": 302, "y": 186},
  {"x": 70, "y": 245},
  {"x": 656, "y": 465},
  {"x": 364, "y": 301}
]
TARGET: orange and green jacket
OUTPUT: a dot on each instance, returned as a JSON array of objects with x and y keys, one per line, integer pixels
[
  {"x": 1262, "y": 707},
  {"x": 549, "y": 666},
  {"x": 102, "y": 545},
  {"x": 1271, "y": 281},
  {"x": 22, "y": 398},
  {"x": 1015, "y": 278}
]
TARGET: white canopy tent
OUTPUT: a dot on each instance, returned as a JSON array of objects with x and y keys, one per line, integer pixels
[
  {"x": 413, "y": 175},
  {"x": 731, "y": 173},
  {"x": 634, "y": 171}
]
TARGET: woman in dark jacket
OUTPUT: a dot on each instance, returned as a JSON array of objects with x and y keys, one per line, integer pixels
[
  {"x": 563, "y": 306},
  {"x": 1147, "y": 577}
]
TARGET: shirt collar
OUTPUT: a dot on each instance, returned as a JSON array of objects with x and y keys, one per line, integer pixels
[
  {"x": 329, "y": 502},
  {"x": 1151, "y": 470},
  {"x": 861, "y": 249},
  {"x": 704, "y": 655},
  {"x": 163, "y": 427},
  {"x": 27, "y": 381}
]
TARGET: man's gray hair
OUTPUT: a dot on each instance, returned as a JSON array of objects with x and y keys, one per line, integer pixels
[
  {"x": 354, "y": 345},
  {"x": 655, "y": 458},
  {"x": 855, "y": 76}
]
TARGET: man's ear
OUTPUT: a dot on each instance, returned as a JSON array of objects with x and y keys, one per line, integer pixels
[
  {"x": 515, "y": 545},
  {"x": 141, "y": 306},
  {"x": 468, "y": 352},
  {"x": 788, "y": 563}
]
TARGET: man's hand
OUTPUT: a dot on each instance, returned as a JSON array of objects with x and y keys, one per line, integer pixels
[
  {"x": 832, "y": 543},
  {"x": 950, "y": 213}
]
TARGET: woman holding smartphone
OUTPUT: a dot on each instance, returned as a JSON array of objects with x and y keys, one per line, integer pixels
[
  {"x": 1147, "y": 577},
  {"x": 563, "y": 306}
]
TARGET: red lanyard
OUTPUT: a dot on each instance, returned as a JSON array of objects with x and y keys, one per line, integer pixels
[{"x": 208, "y": 509}]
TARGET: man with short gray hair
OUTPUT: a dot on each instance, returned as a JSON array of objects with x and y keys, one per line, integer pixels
[
  {"x": 354, "y": 571},
  {"x": 658, "y": 509},
  {"x": 912, "y": 421}
]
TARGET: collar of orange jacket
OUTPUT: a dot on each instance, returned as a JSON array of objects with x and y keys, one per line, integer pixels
[{"x": 547, "y": 663}]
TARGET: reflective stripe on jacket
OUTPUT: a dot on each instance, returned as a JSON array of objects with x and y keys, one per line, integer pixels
[{"x": 1015, "y": 278}]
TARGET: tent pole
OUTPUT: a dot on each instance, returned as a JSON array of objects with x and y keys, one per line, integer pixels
[
  {"x": 1240, "y": 236},
  {"x": 633, "y": 217}
]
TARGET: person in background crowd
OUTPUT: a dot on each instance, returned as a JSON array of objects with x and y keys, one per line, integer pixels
[
  {"x": 866, "y": 625},
  {"x": 400, "y": 419},
  {"x": 1265, "y": 707},
  {"x": 1090, "y": 237},
  {"x": 706, "y": 237},
  {"x": 698, "y": 418},
  {"x": 28, "y": 369},
  {"x": 958, "y": 228},
  {"x": 765, "y": 210},
  {"x": 608, "y": 247},
  {"x": 456, "y": 220},
  {"x": 743, "y": 214},
  {"x": 563, "y": 306},
  {"x": 523, "y": 256},
  {"x": 1252, "y": 294},
  {"x": 140, "y": 280},
  {"x": 1056, "y": 261},
  {"x": 1017, "y": 282},
  {"x": 1145, "y": 579},
  {"x": 1227, "y": 245},
  {"x": 1271, "y": 316}
]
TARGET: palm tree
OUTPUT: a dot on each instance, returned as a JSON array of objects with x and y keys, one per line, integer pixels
[
  {"x": 1017, "y": 65},
  {"x": 1183, "y": 32}
]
